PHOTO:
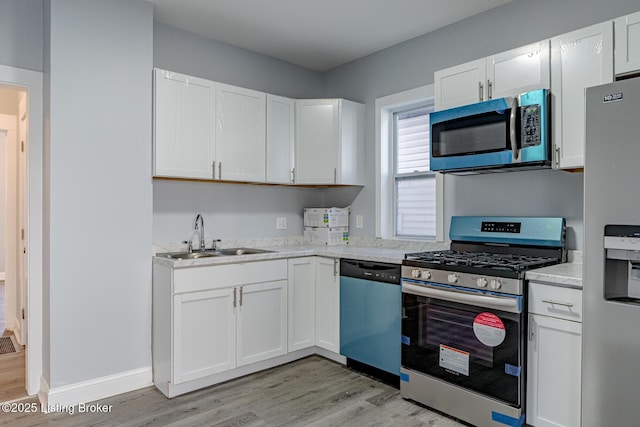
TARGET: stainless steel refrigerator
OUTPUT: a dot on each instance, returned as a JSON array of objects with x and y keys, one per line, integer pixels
[{"x": 611, "y": 293}]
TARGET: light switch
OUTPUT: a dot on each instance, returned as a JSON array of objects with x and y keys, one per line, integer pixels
[
  {"x": 359, "y": 221},
  {"x": 281, "y": 222}
]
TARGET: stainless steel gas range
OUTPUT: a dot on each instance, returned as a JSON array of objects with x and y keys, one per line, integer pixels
[{"x": 464, "y": 317}]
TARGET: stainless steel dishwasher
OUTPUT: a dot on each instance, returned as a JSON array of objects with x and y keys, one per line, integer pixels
[{"x": 370, "y": 318}]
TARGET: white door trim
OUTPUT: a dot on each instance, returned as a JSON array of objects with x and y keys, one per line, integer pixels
[{"x": 32, "y": 82}]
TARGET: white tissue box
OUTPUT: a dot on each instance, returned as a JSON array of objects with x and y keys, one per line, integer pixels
[
  {"x": 326, "y": 217},
  {"x": 326, "y": 236}
]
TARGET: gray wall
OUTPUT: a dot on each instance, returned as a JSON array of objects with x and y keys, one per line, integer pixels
[
  {"x": 412, "y": 64},
  {"x": 230, "y": 211},
  {"x": 98, "y": 189},
  {"x": 21, "y": 32}
]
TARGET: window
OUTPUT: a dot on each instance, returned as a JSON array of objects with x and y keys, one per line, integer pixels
[
  {"x": 414, "y": 184},
  {"x": 409, "y": 197}
]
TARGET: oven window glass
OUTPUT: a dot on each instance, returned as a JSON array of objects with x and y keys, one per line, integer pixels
[
  {"x": 482, "y": 133},
  {"x": 472, "y": 347}
]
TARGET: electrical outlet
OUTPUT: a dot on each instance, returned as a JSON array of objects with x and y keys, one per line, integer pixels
[
  {"x": 281, "y": 222},
  {"x": 359, "y": 221}
]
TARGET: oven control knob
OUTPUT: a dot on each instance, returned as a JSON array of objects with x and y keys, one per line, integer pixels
[
  {"x": 415, "y": 274},
  {"x": 495, "y": 284},
  {"x": 426, "y": 274},
  {"x": 481, "y": 282},
  {"x": 452, "y": 278}
]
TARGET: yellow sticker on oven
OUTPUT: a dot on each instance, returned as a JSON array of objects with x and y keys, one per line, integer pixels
[{"x": 489, "y": 329}]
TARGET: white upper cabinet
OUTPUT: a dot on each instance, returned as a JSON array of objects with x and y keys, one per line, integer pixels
[
  {"x": 579, "y": 59},
  {"x": 240, "y": 134},
  {"x": 280, "y": 139},
  {"x": 505, "y": 74},
  {"x": 627, "y": 55},
  {"x": 460, "y": 85},
  {"x": 518, "y": 70},
  {"x": 329, "y": 143},
  {"x": 184, "y": 135}
]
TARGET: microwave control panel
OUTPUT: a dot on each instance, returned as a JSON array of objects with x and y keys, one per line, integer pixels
[{"x": 530, "y": 125}]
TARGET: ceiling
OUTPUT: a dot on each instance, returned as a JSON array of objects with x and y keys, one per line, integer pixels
[{"x": 315, "y": 34}]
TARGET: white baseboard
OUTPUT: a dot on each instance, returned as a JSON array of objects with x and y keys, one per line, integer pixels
[{"x": 93, "y": 390}]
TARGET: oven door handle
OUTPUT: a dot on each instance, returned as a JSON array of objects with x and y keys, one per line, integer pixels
[{"x": 495, "y": 302}]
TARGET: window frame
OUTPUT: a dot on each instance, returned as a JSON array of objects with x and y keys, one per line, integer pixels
[{"x": 385, "y": 107}]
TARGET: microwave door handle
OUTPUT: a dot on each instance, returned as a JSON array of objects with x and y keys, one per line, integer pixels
[{"x": 513, "y": 132}]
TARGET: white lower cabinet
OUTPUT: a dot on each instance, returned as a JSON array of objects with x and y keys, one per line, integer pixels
[
  {"x": 212, "y": 320},
  {"x": 218, "y": 322},
  {"x": 554, "y": 356},
  {"x": 204, "y": 331},
  {"x": 327, "y": 276},
  {"x": 261, "y": 322},
  {"x": 302, "y": 303}
]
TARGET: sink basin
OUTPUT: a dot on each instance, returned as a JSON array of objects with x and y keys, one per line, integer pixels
[
  {"x": 188, "y": 255},
  {"x": 212, "y": 253},
  {"x": 241, "y": 251}
]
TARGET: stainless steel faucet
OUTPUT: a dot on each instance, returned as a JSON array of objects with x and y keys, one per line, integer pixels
[{"x": 200, "y": 230}]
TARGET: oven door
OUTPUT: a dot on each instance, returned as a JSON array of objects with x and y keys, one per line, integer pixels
[{"x": 469, "y": 339}]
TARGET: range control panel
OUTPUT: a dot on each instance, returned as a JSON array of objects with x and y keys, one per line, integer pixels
[{"x": 500, "y": 227}]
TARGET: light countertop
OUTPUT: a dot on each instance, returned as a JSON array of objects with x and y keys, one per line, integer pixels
[
  {"x": 568, "y": 274},
  {"x": 393, "y": 256}
]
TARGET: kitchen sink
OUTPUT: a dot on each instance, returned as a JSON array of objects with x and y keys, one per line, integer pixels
[
  {"x": 188, "y": 255},
  {"x": 241, "y": 251},
  {"x": 212, "y": 253}
]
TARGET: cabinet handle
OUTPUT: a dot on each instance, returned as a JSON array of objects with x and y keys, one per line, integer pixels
[
  {"x": 213, "y": 169},
  {"x": 480, "y": 91},
  {"x": 293, "y": 175},
  {"x": 335, "y": 267},
  {"x": 240, "y": 296},
  {"x": 219, "y": 170},
  {"x": 557, "y": 156},
  {"x": 234, "y": 298},
  {"x": 489, "y": 87},
  {"x": 531, "y": 322},
  {"x": 335, "y": 175},
  {"x": 552, "y": 302}
]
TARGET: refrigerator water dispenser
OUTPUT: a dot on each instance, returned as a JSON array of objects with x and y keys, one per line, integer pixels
[{"x": 622, "y": 264}]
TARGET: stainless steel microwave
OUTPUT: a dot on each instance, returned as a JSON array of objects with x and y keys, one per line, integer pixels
[{"x": 497, "y": 135}]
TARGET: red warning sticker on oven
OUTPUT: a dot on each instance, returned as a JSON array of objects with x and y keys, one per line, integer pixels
[{"x": 489, "y": 329}]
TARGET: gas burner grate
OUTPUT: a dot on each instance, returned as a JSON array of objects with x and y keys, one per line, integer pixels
[{"x": 505, "y": 262}]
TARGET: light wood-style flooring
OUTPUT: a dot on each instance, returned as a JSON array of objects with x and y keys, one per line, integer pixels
[
  {"x": 12, "y": 366},
  {"x": 309, "y": 392}
]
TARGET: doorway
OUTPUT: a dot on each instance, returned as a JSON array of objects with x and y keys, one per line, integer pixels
[
  {"x": 31, "y": 247},
  {"x": 13, "y": 233}
]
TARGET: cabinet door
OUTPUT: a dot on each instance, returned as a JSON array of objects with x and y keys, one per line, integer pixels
[
  {"x": 204, "y": 334},
  {"x": 262, "y": 321},
  {"x": 317, "y": 141},
  {"x": 183, "y": 119},
  {"x": 280, "y": 139},
  {"x": 518, "y": 70},
  {"x": 328, "y": 304},
  {"x": 460, "y": 85},
  {"x": 351, "y": 162},
  {"x": 240, "y": 134},
  {"x": 579, "y": 59},
  {"x": 554, "y": 369},
  {"x": 627, "y": 44},
  {"x": 302, "y": 303}
]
